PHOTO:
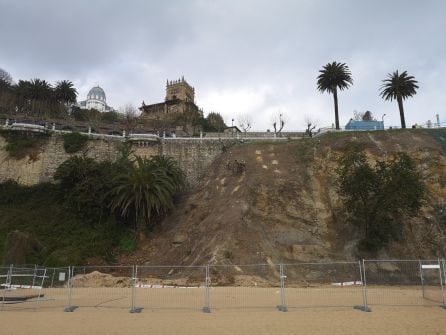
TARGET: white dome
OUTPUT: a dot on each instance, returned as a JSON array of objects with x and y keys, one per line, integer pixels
[{"x": 96, "y": 93}]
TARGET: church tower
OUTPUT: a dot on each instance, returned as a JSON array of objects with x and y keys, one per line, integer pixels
[{"x": 179, "y": 90}]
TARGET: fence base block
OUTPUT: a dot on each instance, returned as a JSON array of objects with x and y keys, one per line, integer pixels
[
  {"x": 206, "y": 309},
  {"x": 136, "y": 310},
  {"x": 282, "y": 308},
  {"x": 70, "y": 309},
  {"x": 363, "y": 308}
]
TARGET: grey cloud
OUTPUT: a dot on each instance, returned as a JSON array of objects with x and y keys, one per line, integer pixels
[{"x": 131, "y": 47}]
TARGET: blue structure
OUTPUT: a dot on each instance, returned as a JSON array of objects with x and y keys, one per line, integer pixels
[{"x": 364, "y": 125}]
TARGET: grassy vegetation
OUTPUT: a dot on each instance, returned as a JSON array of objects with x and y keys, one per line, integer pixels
[
  {"x": 40, "y": 212},
  {"x": 95, "y": 209},
  {"x": 74, "y": 142},
  {"x": 439, "y": 135},
  {"x": 22, "y": 144}
]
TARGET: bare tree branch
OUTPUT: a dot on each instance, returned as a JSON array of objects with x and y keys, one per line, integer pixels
[
  {"x": 278, "y": 123},
  {"x": 245, "y": 122},
  {"x": 310, "y": 124},
  {"x": 130, "y": 116}
]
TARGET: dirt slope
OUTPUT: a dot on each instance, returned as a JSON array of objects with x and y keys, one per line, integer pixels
[{"x": 285, "y": 206}]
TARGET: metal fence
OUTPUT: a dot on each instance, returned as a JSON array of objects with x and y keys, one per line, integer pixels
[
  {"x": 324, "y": 284},
  {"x": 409, "y": 282},
  {"x": 362, "y": 285}
]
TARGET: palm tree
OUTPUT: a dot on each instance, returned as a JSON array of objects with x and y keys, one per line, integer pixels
[
  {"x": 171, "y": 169},
  {"x": 40, "y": 93},
  {"x": 64, "y": 95},
  {"x": 333, "y": 76},
  {"x": 23, "y": 95},
  {"x": 65, "y": 92},
  {"x": 144, "y": 190},
  {"x": 399, "y": 86}
]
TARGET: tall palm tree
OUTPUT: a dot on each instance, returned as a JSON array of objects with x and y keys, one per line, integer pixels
[
  {"x": 65, "y": 92},
  {"x": 23, "y": 95},
  {"x": 333, "y": 76},
  {"x": 40, "y": 93},
  {"x": 399, "y": 86}
]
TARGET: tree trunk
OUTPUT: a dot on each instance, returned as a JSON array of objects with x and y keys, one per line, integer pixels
[
  {"x": 335, "y": 97},
  {"x": 401, "y": 108}
]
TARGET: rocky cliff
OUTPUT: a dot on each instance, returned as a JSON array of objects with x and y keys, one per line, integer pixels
[{"x": 285, "y": 205}]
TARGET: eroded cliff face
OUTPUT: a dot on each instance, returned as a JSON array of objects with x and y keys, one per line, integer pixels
[{"x": 285, "y": 206}]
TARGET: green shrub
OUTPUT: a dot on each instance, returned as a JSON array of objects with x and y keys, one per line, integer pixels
[
  {"x": 127, "y": 244},
  {"x": 439, "y": 135},
  {"x": 42, "y": 213},
  {"x": 74, "y": 142},
  {"x": 86, "y": 185},
  {"x": 109, "y": 117},
  {"x": 379, "y": 198}
]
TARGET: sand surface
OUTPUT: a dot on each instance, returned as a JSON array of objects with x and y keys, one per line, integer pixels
[
  {"x": 383, "y": 320},
  {"x": 238, "y": 310}
]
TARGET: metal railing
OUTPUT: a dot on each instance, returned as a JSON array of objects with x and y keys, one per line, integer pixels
[{"x": 361, "y": 285}]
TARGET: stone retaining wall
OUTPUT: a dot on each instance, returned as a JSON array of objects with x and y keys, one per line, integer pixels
[{"x": 193, "y": 156}]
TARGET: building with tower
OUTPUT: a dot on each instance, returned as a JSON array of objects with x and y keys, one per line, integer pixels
[
  {"x": 180, "y": 98},
  {"x": 96, "y": 99}
]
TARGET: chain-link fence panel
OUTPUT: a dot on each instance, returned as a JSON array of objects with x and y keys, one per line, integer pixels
[
  {"x": 244, "y": 286},
  {"x": 21, "y": 287},
  {"x": 101, "y": 286},
  {"x": 334, "y": 284},
  {"x": 55, "y": 288},
  {"x": 403, "y": 282},
  {"x": 432, "y": 281},
  {"x": 170, "y": 287}
]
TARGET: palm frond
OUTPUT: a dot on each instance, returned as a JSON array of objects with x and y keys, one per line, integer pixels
[
  {"x": 398, "y": 85},
  {"x": 332, "y": 76}
]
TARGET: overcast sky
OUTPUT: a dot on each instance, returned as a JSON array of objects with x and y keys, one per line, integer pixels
[{"x": 243, "y": 57}]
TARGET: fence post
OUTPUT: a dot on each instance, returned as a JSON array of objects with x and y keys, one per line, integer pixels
[
  {"x": 34, "y": 275},
  {"x": 207, "y": 304},
  {"x": 364, "y": 307},
  {"x": 443, "y": 265},
  {"x": 42, "y": 284},
  {"x": 441, "y": 283},
  {"x": 70, "y": 307},
  {"x": 133, "y": 308},
  {"x": 7, "y": 283},
  {"x": 421, "y": 277},
  {"x": 282, "y": 307},
  {"x": 9, "y": 277}
]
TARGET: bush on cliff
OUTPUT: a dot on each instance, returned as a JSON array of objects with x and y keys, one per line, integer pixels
[
  {"x": 74, "y": 142},
  {"x": 40, "y": 213},
  {"x": 84, "y": 185},
  {"x": 379, "y": 197}
]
